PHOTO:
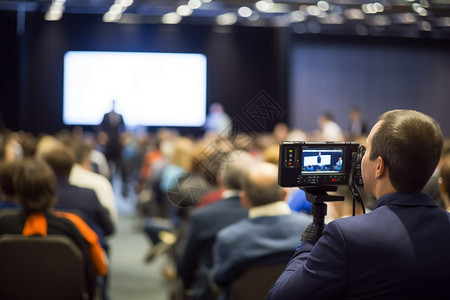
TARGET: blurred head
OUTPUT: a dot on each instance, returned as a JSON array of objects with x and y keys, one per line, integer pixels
[
  {"x": 261, "y": 185},
  {"x": 7, "y": 170},
  {"x": 354, "y": 113},
  {"x": 35, "y": 185},
  {"x": 405, "y": 145},
  {"x": 183, "y": 153},
  {"x": 216, "y": 108},
  {"x": 61, "y": 160},
  {"x": 233, "y": 169},
  {"x": 324, "y": 119},
  {"x": 271, "y": 154}
]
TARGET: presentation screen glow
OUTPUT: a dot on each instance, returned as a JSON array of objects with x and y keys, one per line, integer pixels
[{"x": 149, "y": 89}]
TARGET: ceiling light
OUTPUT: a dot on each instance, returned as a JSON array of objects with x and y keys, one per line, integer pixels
[
  {"x": 313, "y": 10},
  {"x": 194, "y": 4},
  {"x": 424, "y": 3},
  {"x": 354, "y": 14},
  {"x": 184, "y": 10},
  {"x": 111, "y": 17},
  {"x": 264, "y": 5},
  {"x": 244, "y": 12},
  {"x": 53, "y": 15},
  {"x": 323, "y": 5},
  {"x": 171, "y": 18},
  {"x": 297, "y": 16},
  {"x": 116, "y": 8},
  {"x": 226, "y": 19},
  {"x": 124, "y": 3},
  {"x": 425, "y": 26}
]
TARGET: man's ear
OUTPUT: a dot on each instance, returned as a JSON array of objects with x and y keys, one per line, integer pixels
[
  {"x": 244, "y": 200},
  {"x": 380, "y": 167}
]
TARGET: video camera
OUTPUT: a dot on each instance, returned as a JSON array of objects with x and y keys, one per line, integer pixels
[
  {"x": 319, "y": 168},
  {"x": 307, "y": 164}
]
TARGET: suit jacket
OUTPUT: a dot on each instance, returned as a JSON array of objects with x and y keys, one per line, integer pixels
[
  {"x": 86, "y": 201},
  {"x": 256, "y": 241},
  {"x": 400, "y": 250},
  {"x": 204, "y": 225}
]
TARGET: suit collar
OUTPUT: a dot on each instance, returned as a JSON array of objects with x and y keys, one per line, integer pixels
[{"x": 405, "y": 199}]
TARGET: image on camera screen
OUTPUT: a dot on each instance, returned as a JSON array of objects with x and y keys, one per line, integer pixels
[{"x": 322, "y": 161}]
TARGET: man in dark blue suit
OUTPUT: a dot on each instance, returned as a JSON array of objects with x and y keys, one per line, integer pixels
[{"x": 400, "y": 250}]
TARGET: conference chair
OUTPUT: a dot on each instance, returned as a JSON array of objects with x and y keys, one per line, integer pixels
[
  {"x": 41, "y": 267},
  {"x": 255, "y": 282}
]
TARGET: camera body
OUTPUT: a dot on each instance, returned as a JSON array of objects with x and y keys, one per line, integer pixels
[{"x": 308, "y": 164}]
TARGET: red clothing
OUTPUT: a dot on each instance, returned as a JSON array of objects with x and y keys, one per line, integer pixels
[
  {"x": 211, "y": 197},
  {"x": 36, "y": 224}
]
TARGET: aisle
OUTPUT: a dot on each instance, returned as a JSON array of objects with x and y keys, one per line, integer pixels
[{"x": 131, "y": 278}]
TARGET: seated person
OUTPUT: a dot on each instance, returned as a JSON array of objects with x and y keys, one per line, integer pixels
[
  {"x": 34, "y": 186},
  {"x": 61, "y": 160},
  {"x": 338, "y": 165},
  {"x": 268, "y": 236},
  {"x": 196, "y": 261}
]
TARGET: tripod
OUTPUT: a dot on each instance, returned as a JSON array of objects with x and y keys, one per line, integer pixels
[{"x": 317, "y": 195}]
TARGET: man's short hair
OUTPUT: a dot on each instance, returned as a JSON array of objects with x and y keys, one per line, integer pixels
[
  {"x": 35, "y": 185},
  {"x": 61, "y": 160},
  {"x": 234, "y": 168},
  {"x": 410, "y": 144},
  {"x": 259, "y": 193}
]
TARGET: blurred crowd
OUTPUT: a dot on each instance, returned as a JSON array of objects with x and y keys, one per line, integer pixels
[{"x": 190, "y": 192}]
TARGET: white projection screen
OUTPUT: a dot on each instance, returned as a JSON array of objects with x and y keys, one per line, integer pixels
[{"x": 149, "y": 89}]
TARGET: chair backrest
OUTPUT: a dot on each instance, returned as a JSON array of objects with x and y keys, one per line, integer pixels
[
  {"x": 41, "y": 267},
  {"x": 255, "y": 282}
]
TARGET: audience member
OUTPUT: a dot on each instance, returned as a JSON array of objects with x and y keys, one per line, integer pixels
[
  {"x": 330, "y": 130},
  {"x": 280, "y": 132},
  {"x": 401, "y": 249},
  {"x": 34, "y": 185},
  {"x": 268, "y": 236},
  {"x": 218, "y": 121},
  {"x": 196, "y": 261},
  {"x": 61, "y": 160},
  {"x": 357, "y": 126},
  {"x": 82, "y": 176}
]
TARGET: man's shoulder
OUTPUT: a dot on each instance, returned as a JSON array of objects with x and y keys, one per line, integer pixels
[
  {"x": 88, "y": 178},
  {"x": 220, "y": 206},
  {"x": 78, "y": 190},
  {"x": 236, "y": 231}
]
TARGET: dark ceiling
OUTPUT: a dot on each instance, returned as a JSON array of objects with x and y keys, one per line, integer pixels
[{"x": 413, "y": 18}]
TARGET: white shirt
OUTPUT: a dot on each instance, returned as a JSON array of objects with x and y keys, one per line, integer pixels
[
  {"x": 332, "y": 132},
  {"x": 269, "y": 210},
  {"x": 102, "y": 187}
]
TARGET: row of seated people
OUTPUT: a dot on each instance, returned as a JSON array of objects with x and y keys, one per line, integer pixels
[
  {"x": 211, "y": 195},
  {"x": 197, "y": 219},
  {"x": 29, "y": 186},
  {"x": 206, "y": 255},
  {"x": 77, "y": 190}
]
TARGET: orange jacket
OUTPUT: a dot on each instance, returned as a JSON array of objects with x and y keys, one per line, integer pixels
[{"x": 36, "y": 223}]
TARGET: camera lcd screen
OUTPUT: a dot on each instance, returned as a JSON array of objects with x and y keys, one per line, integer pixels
[{"x": 322, "y": 161}]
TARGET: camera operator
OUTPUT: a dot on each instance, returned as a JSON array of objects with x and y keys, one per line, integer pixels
[{"x": 400, "y": 250}]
